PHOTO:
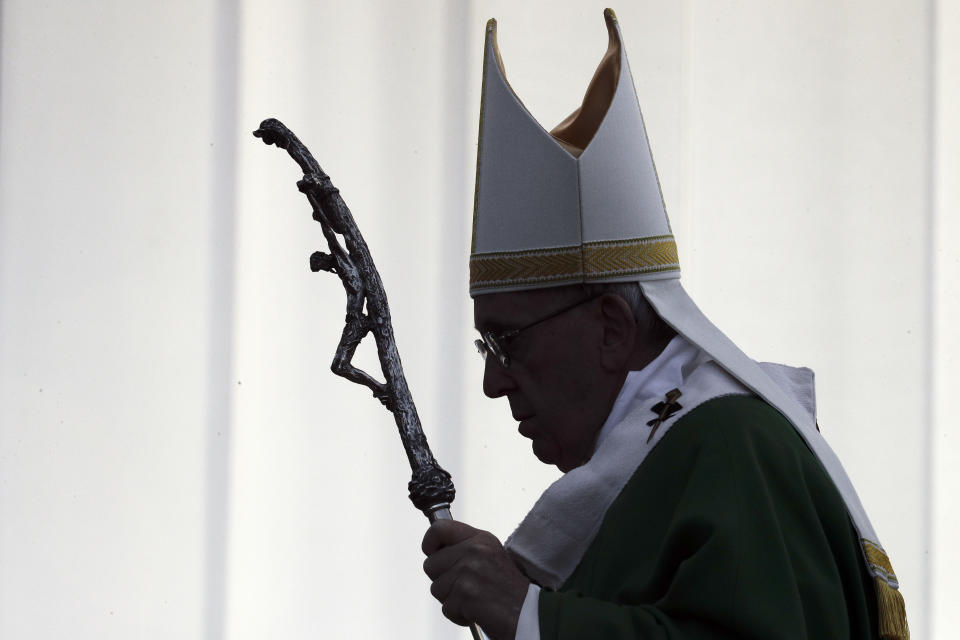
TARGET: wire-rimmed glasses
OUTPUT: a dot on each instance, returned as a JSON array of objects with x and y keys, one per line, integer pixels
[{"x": 496, "y": 343}]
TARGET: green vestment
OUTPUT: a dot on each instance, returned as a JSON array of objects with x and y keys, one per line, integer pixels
[{"x": 730, "y": 528}]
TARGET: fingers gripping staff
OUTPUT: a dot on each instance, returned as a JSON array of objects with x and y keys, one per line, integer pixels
[
  {"x": 474, "y": 577},
  {"x": 431, "y": 489}
]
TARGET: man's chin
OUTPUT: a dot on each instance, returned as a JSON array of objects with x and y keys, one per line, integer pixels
[
  {"x": 548, "y": 454},
  {"x": 545, "y": 453}
]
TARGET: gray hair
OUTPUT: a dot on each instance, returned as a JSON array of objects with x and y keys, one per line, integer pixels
[{"x": 643, "y": 312}]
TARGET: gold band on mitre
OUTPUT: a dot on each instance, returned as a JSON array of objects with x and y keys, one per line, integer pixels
[{"x": 590, "y": 262}]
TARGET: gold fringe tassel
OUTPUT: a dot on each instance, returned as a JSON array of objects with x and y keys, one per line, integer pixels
[{"x": 893, "y": 612}]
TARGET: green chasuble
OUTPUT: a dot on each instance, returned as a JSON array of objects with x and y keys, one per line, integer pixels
[{"x": 729, "y": 529}]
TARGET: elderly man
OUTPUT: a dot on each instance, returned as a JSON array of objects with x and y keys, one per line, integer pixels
[{"x": 698, "y": 499}]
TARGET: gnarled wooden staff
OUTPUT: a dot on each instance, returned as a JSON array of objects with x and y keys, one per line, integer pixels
[{"x": 431, "y": 489}]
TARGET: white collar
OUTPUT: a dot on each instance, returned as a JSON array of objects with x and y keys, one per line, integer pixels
[{"x": 663, "y": 373}]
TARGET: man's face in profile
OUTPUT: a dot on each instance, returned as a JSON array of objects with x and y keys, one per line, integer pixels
[{"x": 555, "y": 385}]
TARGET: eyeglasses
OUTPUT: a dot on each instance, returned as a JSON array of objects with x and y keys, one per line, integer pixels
[{"x": 496, "y": 343}]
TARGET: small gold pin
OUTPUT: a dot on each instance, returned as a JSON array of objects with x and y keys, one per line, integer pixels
[{"x": 664, "y": 410}]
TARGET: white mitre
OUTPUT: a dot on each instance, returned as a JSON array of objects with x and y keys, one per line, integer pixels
[
  {"x": 582, "y": 204},
  {"x": 578, "y": 204}
]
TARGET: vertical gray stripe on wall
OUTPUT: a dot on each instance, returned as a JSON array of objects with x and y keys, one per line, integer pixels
[
  {"x": 220, "y": 312},
  {"x": 453, "y": 248},
  {"x": 922, "y": 599},
  {"x": 2, "y": 39},
  {"x": 685, "y": 235}
]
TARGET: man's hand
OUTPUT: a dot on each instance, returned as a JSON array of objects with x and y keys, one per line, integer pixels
[{"x": 474, "y": 578}]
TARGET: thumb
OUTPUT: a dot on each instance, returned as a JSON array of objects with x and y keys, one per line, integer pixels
[{"x": 444, "y": 533}]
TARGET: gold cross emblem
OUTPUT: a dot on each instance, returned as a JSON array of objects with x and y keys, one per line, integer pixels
[{"x": 664, "y": 410}]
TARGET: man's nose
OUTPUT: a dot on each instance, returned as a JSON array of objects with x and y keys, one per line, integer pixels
[{"x": 497, "y": 381}]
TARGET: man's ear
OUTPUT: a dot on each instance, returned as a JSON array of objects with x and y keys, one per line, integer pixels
[{"x": 619, "y": 332}]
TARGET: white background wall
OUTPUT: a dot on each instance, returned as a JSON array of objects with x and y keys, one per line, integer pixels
[{"x": 176, "y": 459}]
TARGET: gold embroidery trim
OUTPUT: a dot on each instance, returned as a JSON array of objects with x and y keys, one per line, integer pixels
[
  {"x": 593, "y": 261},
  {"x": 891, "y": 610},
  {"x": 524, "y": 267},
  {"x": 629, "y": 256},
  {"x": 878, "y": 560}
]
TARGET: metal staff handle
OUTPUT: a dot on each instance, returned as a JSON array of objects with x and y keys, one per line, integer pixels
[{"x": 431, "y": 489}]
